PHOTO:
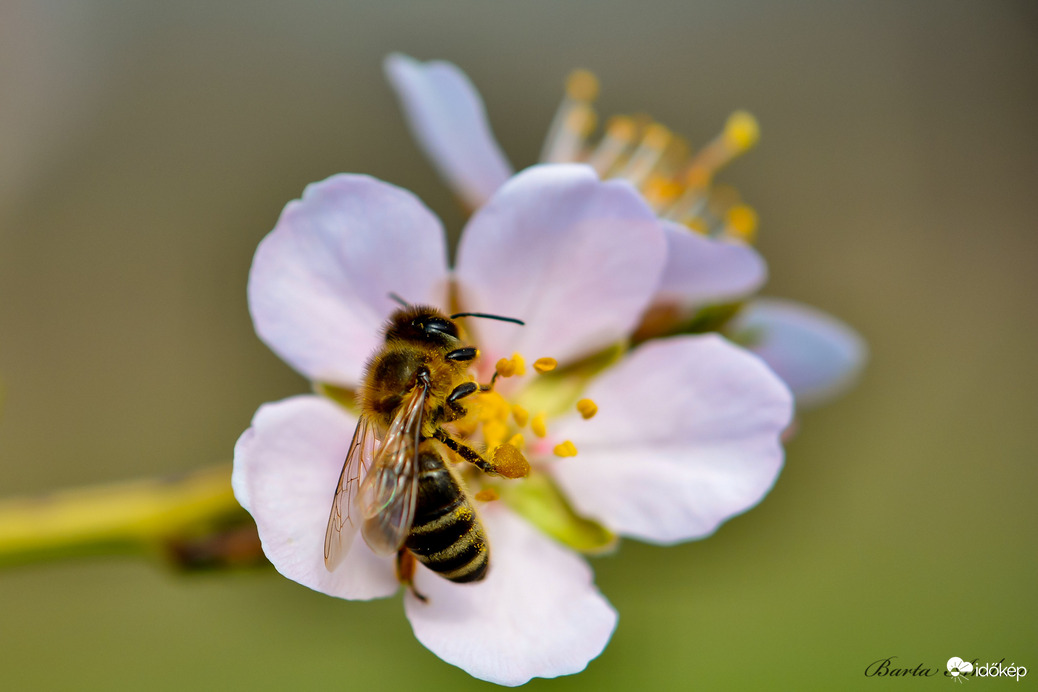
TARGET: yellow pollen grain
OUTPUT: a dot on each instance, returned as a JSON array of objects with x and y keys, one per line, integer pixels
[
  {"x": 543, "y": 365},
  {"x": 741, "y": 131},
  {"x": 741, "y": 221},
  {"x": 566, "y": 449},
  {"x": 520, "y": 364},
  {"x": 487, "y": 495},
  {"x": 520, "y": 415},
  {"x": 494, "y": 432},
  {"x": 493, "y": 406},
  {"x": 587, "y": 408},
  {"x": 582, "y": 85},
  {"x": 505, "y": 367},
  {"x": 517, "y": 441},
  {"x": 538, "y": 425},
  {"x": 510, "y": 462}
]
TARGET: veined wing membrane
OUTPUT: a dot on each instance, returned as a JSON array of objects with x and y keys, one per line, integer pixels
[
  {"x": 346, "y": 515},
  {"x": 389, "y": 492}
]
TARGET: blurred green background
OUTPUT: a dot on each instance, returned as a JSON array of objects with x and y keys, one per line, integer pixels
[{"x": 145, "y": 148}]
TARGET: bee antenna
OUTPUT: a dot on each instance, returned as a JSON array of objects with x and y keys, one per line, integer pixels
[
  {"x": 398, "y": 299},
  {"x": 489, "y": 317}
]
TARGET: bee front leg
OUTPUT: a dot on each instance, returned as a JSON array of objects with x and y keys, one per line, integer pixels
[{"x": 405, "y": 568}]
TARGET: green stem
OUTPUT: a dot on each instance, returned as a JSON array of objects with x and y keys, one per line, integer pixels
[{"x": 144, "y": 517}]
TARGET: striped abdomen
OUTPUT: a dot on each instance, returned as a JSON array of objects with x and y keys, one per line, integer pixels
[{"x": 446, "y": 535}]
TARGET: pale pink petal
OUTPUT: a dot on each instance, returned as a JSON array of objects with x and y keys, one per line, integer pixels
[
  {"x": 320, "y": 281},
  {"x": 686, "y": 436},
  {"x": 447, "y": 117},
  {"x": 818, "y": 356},
  {"x": 286, "y": 467},
  {"x": 702, "y": 271},
  {"x": 537, "y": 613},
  {"x": 576, "y": 258}
]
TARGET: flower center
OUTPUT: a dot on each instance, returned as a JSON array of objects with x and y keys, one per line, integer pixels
[
  {"x": 502, "y": 422},
  {"x": 676, "y": 181}
]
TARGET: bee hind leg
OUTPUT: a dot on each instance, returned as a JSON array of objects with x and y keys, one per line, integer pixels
[{"x": 405, "y": 567}]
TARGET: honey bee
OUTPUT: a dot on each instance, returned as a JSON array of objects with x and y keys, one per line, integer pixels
[{"x": 395, "y": 482}]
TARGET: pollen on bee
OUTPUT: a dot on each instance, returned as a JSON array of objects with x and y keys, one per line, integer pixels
[
  {"x": 520, "y": 415},
  {"x": 510, "y": 462},
  {"x": 487, "y": 495},
  {"x": 543, "y": 365},
  {"x": 565, "y": 449},
  {"x": 538, "y": 424},
  {"x": 587, "y": 408}
]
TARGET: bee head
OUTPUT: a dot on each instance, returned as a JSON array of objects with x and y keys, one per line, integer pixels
[{"x": 422, "y": 324}]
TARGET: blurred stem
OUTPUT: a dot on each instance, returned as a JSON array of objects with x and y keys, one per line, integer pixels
[{"x": 162, "y": 517}]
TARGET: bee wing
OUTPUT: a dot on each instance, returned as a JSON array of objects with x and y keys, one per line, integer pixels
[
  {"x": 345, "y": 516},
  {"x": 389, "y": 491}
]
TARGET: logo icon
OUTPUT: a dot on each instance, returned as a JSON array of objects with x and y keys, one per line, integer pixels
[{"x": 958, "y": 668}]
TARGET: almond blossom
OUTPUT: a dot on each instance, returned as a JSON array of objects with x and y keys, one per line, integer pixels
[
  {"x": 715, "y": 265},
  {"x": 686, "y": 434}
]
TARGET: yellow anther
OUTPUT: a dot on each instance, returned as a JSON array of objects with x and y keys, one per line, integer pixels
[
  {"x": 494, "y": 432},
  {"x": 566, "y": 449},
  {"x": 741, "y": 222},
  {"x": 487, "y": 495},
  {"x": 510, "y": 462},
  {"x": 517, "y": 441},
  {"x": 587, "y": 408},
  {"x": 581, "y": 120},
  {"x": 582, "y": 85},
  {"x": 657, "y": 136},
  {"x": 660, "y": 191},
  {"x": 622, "y": 128},
  {"x": 538, "y": 425},
  {"x": 520, "y": 414},
  {"x": 543, "y": 365},
  {"x": 698, "y": 225},
  {"x": 741, "y": 131},
  {"x": 505, "y": 367},
  {"x": 519, "y": 363},
  {"x": 493, "y": 406}
]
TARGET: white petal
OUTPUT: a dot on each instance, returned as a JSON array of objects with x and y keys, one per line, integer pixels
[
  {"x": 537, "y": 613},
  {"x": 576, "y": 258},
  {"x": 686, "y": 436},
  {"x": 319, "y": 284},
  {"x": 702, "y": 271},
  {"x": 447, "y": 117},
  {"x": 817, "y": 355},
  {"x": 286, "y": 467}
]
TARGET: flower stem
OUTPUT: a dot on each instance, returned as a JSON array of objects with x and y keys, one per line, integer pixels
[{"x": 163, "y": 517}]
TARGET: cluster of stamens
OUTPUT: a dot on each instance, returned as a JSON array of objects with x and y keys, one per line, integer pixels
[
  {"x": 675, "y": 180},
  {"x": 502, "y": 424}
]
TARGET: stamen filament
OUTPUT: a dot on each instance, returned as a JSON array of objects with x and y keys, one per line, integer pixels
[{"x": 574, "y": 120}]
